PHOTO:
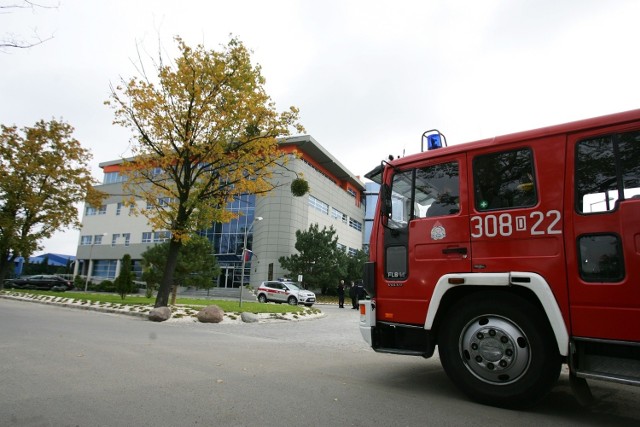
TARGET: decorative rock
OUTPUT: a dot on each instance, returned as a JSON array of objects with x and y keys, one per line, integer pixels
[
  {"x": 160, "y": 314},
  {"x": 210, "y": 314},
  {"x": 248, "y": 317}
]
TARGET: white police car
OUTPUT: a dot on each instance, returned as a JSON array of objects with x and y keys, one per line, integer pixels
[{"x": 289, "y": 292}]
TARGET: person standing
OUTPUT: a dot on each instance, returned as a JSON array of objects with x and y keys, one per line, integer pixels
[
  {"x": 354, "y": 296},
  {"x": 341, "y": 294},
  {"x": 360, "y": 292}
]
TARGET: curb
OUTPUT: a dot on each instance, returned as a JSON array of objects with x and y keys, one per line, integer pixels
[{"x": 229, "y": 318}]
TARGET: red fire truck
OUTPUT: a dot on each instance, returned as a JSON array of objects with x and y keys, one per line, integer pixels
[{"x": 512, "y": 255}]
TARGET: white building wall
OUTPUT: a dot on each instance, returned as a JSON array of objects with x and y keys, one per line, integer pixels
[
  {"x": 110, "y": 223},
  {"x": 283, "y": 214},
  {"x": 273, "y": 237}
]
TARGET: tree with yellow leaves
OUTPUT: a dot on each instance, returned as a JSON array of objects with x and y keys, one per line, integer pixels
[
  {"x": 44, "y": 172},
  {"x": 205, "y": 131}
]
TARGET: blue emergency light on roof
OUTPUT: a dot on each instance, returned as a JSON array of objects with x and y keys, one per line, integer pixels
[{"x": 434, "y": 140}]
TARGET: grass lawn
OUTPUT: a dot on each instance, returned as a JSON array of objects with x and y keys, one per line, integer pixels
[{"x": 229, "y": 306}]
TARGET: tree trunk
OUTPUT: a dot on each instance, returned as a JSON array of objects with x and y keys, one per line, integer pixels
[
  {"x": 6, "y": 264},
  {"x": 162, "y": 300},
  {"x": 174, "y": 294}
]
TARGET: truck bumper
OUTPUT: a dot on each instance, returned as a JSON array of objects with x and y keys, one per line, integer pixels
[{"x": 367, "y": 320}]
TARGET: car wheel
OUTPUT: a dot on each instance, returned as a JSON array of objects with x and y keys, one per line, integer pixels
[
  {"x": 262, "y": 298},
  {"x": 499, "y": 350},
  {"x": 292, "y": 301}
]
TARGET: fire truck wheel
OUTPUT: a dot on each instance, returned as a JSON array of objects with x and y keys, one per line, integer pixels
[{"x": 499, "y": 350}]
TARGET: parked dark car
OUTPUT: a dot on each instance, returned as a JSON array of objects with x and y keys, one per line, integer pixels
[{"x": 45, "y": 282}]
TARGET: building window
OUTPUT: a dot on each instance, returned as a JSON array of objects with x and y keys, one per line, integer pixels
[
  {"x": 85, "y": 240},
  {"x": 119, "y": 208},
  {"x": 351, "y": 192},
  {"x": 90, "y": 210},
  {"x": 352, "y": 251},
  {"x": 114, "y": 239},
  {"x": 161, "y": 236},
  {"x": 227, "y": 238},
  {"x": 336, "y": 214},
  {"x": 113, "y": 177},
  {"x": 127, "y": 238},
  {"x": 97, "y": 239},
  {"x": 96, "y": 211},
  {"x": 164, "y": 201},
  {"x": 341, "y": 247},
  {"x": 355, "y": 224},
  {"x": 319, "y": 205},
  {"x": 105, "y": 268},
  {"x": 146, "y": 237}
]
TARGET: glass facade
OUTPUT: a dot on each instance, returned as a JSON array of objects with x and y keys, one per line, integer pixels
[
  {"x": 104, "y": 268},
  {"x": 228, "y": 238}
]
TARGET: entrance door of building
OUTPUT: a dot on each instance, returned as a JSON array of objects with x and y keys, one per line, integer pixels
[{"x": 225, "y": 280}]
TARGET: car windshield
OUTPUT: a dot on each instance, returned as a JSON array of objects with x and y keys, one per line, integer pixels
[{"x": 292, "y": 286}]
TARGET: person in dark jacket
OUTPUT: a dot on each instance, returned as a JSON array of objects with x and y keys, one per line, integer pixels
[
  {"x": 360, "y": 292},
  {"x": 341, "y": 294},
  {"x": 353, "y": 295}
]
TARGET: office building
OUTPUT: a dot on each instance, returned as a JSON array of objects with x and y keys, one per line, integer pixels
[{"x": 335, "y": 199}]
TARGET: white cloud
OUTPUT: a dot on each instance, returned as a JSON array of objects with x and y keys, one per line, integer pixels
[{"x": 368, "y": 76}]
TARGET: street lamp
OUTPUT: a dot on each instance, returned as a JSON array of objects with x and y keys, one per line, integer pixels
[
  {"x": 244, "y": 254},
  {"x": 93, "y": 242}
]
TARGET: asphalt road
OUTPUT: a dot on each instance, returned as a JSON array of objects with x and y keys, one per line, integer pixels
[{"x": 69, "y": 367}]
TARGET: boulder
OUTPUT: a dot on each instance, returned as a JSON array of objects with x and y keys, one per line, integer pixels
[
  {"x": 160, "y": 314},
  {"x": 248, "y": 317},
  {"x": 211, "y": 314}
]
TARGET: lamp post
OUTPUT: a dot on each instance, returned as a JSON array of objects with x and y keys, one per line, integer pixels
[
  {"x": 244, "y": 254},
  {"x": 86, "y": 283}
]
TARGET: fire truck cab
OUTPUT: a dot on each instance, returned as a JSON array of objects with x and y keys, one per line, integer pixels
[{"x": 512, "y": 255}]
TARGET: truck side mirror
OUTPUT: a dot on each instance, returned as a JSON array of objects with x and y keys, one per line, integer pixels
[{"x": 385, "y": 203}]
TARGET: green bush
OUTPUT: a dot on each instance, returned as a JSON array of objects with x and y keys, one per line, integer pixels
[
  {"x": 78, "y": 282},
  {"x": 329, "y": 291},
  {"x": 104, "y": 286},
  {"x": 299, "y": 187},
  {"x": 124, "y": 282}
]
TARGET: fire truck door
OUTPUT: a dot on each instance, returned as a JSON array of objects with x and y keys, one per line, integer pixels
[
  {"x": 428, "y": 237},
  {"x": 603, "y": 238}
]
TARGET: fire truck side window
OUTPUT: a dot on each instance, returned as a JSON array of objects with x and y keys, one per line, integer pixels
[
  {"x": 603, "y": 177},
  {"x": 435, "y": 193},
  {"x": 401, "y": 189},
  {"x": 504, "y": 180},
  {"x": 629, "y": 153},
  {"x": 437, "y": 190},
  {"x": 601, "y": 258}
]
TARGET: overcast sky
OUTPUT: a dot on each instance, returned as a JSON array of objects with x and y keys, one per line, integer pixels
[{"x": 368, "y": 76}]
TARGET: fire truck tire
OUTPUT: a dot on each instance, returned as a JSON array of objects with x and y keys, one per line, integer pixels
[{"x": 499, "y": 350}]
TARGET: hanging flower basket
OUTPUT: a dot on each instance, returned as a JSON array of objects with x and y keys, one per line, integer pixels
[{"x": 299, "y": 187}]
